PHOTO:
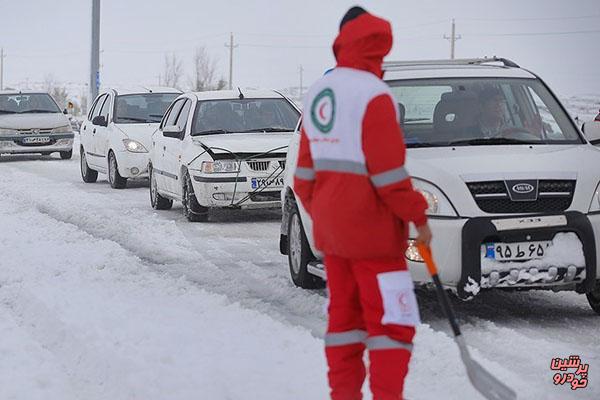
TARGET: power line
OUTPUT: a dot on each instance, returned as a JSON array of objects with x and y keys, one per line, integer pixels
[
  {"x": 535, "y": 33},
  {"x": 531, "y": 18}
]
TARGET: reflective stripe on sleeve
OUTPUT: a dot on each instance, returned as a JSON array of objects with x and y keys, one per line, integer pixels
[
  {"x": 351, "y": 167},
  {"x": 308, "y": 174},
  {"x": 388, "y": 177},
  {"x": 345, "y": 338},
  {"x": 386, "y": 343}
]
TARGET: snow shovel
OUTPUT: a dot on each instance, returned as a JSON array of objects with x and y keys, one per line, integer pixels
[{"x": 488, "y": 385}]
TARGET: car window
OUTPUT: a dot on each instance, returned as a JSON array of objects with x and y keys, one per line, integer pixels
[
  {"x": 104, "y": 112},
  {"x": 142, "y": 108},
  {"x": 98, "y": 107},
  {"x": 183, "y": 115},
  {"x": 94, "y": 106},
  {"x": 244, "y": 115},
  {"x": 464, "y": 111},
  {"x": 174, "y": 113},
  {"x": 30, "y": 103}
]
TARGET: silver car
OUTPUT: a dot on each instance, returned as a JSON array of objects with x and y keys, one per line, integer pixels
[{"x": 32, "y": 122}]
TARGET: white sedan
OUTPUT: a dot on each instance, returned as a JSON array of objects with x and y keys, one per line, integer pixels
[
  {"x": 116, "y": 135},
  {"x": 222, "y": 149}
]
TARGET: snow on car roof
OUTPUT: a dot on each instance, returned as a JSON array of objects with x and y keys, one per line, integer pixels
[
  {"x": 454, "y": 71},
  {"x": 235, "y": 94},
  {"x": 142, "y": 90},
  {"x": 17, "y": 91}
]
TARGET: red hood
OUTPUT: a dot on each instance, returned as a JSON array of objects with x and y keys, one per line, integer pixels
[{"x": 363, "y": 43}]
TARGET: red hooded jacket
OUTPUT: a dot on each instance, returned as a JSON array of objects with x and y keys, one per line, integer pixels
[{"x": 350, "y": 175}]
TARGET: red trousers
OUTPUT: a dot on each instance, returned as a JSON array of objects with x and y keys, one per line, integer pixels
[{"x": 372, "y": 305}]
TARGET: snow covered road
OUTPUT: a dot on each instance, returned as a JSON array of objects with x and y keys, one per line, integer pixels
[{"x": 102, "y": 297}]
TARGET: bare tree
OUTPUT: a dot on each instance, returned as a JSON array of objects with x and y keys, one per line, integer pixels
[
  {"x": 172, "y": 71},
  {"x": 58, "y": 92},
  {"x": 205, "y": 67}
]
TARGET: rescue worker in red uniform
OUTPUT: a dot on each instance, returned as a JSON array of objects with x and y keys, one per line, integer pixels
[{"x": 351, "y": 179}]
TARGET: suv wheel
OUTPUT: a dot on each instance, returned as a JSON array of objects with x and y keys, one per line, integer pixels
[
  {"x": 192, "y": 210},
  {"x": 66, "y": 155},
  {"x": 299, "y": 254},
  {"x": 115, "y": 179},
  {"x": 594, "y": 298},
  {"x": 87, "y": 174},
  {"x": 158, "y": 202}
]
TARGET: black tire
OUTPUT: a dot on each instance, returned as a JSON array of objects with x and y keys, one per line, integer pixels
[
  {"x": 66, "y": 155},
  {"x": 87, "y": 174},
  {"x": 156, "y": 200},
  {"x": 300, "y": 254},
  {"x": 192, "y": 210},
  {"x": 594, "y": 298},
  {"x": 115, "y": 179}
]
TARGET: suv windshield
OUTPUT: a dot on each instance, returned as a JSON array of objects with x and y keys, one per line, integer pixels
[
  {"x": 480, "y": 111},
  {"x": 142, "y": 108},
  {"x": 27, "y": 103},
  {"x": 244, "y": 115}
]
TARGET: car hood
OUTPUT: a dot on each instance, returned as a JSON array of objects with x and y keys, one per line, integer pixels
[
  {"x": 33, "y": 121},
  {"x": 140, "y": 132},
  {"x": 449, "y": 168},
  {"x": 276, "y": 142}
]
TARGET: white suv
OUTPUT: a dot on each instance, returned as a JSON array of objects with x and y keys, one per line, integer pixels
[
  {"x": 31, "y": 122},
  {"x": 222, "y": 149},
  {"x": 511, "y": 183},
  {"x": 115, "y": 137}
]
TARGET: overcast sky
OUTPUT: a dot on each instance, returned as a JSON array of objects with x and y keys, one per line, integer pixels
[{"x": 275, "y": 37}]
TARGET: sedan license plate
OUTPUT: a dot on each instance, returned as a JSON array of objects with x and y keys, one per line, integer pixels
[
  {"x": 259, "y": 183},
  {"x": 36, "y": 140},
  {"x": 519, "y": 251}
]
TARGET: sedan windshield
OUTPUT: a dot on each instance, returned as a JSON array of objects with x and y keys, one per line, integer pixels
[
  {"x": 27, "y": 104},
  {"x": 480, "y": 111},
  {"x": 142, "y": 108},
  {"x": 243, "y": 116}
]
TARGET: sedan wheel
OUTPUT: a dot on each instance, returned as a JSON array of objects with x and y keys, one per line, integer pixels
[
  {"x": 115, "y": 179},
  {"x": 300, "y": 254},
  {"x": 87, "y": 174},
  {"x": 156, "y": 200},
  {"x": 594, "y": 298}
]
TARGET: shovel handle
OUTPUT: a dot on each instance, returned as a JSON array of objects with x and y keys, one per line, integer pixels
[{"x": 425, "y": 252}]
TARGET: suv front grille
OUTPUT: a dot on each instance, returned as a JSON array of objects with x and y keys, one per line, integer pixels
[{"x": 493, "y": 197}]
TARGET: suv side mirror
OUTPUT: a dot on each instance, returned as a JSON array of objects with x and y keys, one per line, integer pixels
[
  {"x": 172, "y": 131},
  {"x": 591, "y": 130},
  {"x": 99, "y": 120}
]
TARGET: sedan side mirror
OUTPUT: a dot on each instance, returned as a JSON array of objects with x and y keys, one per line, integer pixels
[
  {"x": 172, "y": 131},
  {"x": 99, "y": 120},
  {"x": 591, "y": 130}
]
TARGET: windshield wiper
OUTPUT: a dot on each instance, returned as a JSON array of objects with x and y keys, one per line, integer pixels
[
  {"x": 38, "y": 111},
  {"x": 424, "y": 144},
  {"x": 490, "y": 141},
  {"x": 134, "y": 119},
  {"x": 7, "y": 112},
  {"x": 210, "y": 132},
  {"x": 269, "y": 129}
]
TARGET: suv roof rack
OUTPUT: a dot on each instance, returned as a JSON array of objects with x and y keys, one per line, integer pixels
[{"x": 460, "y": 61}]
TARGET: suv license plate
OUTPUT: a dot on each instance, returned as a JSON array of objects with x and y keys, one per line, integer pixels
[
  {"x": 39, "y": 140},
  {"x": 519, "y": 251},
  {"x": 259, "y": 183}
]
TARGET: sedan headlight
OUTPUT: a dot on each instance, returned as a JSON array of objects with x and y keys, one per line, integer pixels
[
  {"x": 134, "y": 146},
  {"x": 436, "y": 200},
  {"x": 63, "y": 129},
  {"x": 595, "y": 204},
  {"x": 220, "y": 166}
]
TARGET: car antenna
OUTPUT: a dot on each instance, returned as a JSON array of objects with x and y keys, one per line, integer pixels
[
  {"x": 241, "y": 94},
  {"x": 148, "y": 89}
]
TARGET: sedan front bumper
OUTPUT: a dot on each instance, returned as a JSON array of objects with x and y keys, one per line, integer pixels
[
  {"x": 36, "y": 143},
  {"x": 237, "y": 192}
]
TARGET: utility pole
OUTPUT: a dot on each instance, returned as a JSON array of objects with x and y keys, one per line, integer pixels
[
  {"x": 2, "y": 68},
  {"x": 94, "y": 83},
  {"x": 452, "y": 38},
  {"x": 231, "y": 46},
  {"x": 300, "y": 91}
]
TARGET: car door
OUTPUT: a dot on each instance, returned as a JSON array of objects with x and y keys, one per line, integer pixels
[
  {"x": 165, "y": 169},
  {"x": 85, "y": 134},
  {"x": 102, "y": 132},
  {"x": 174, "y": 149},
  {"x": 93, "y": 158}
]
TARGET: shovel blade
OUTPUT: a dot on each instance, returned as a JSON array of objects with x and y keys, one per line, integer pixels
[{"x": 487, "y": 384}]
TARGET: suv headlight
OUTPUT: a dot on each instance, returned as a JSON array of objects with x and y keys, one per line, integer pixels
[
  {"x": 63, "y": 129},
  {"x": 220, "y": 166},
  {"x": 436, "y": 200},
  {"x": 134, "y": 146},
  {"x": 595, "y": 204}
]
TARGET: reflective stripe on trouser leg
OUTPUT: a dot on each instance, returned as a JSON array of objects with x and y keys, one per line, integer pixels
[
  {"x": 345, "y": 338},
  {"x": 386, "y": 343}
]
